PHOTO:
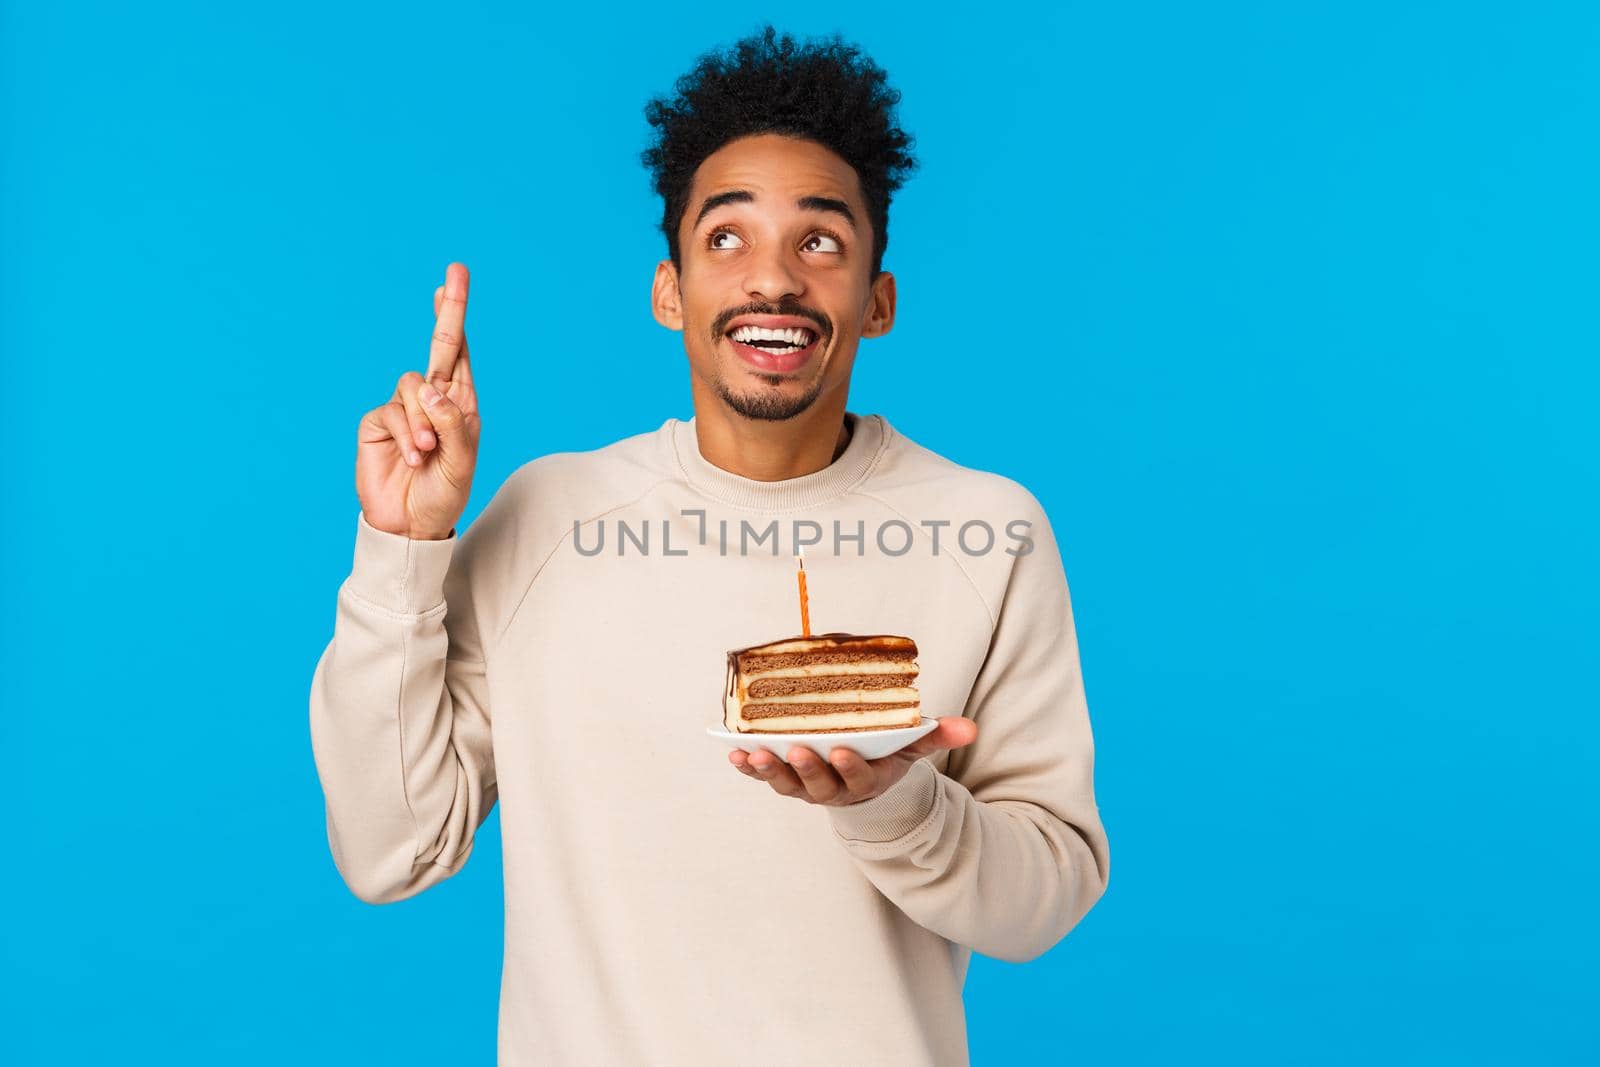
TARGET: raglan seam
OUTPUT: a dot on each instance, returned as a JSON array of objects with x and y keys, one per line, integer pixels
[
  {"x": 512, "y": 618},
  {"x": 994, "y": 621}
]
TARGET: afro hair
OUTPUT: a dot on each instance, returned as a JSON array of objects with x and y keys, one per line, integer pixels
[{"x": 825, "y": 91}]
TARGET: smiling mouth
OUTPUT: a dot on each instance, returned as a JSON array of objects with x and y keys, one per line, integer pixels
[
  {"x": 774, "y": 342},
  {"x": 774, "y": 352}
]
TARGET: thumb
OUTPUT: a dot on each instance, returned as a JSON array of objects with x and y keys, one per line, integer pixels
[
  {"x": 458, "y": 438},
  {"x": 954, "y": 731}
]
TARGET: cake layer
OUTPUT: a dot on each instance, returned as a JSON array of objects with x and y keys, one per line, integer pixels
[
  {"x": 755, "y": 663},
  {"x": 775, "y": 687},
  {"x": 766, "y": 710},
  {"x": 874, "y": 665},
  {"x": 898, "y": 694}
]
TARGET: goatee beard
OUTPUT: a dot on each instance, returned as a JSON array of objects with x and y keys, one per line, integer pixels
[{"x": 774, "y": 406}]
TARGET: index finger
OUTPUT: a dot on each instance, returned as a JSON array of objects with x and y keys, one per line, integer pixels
[{"x": 451, "y": 324}]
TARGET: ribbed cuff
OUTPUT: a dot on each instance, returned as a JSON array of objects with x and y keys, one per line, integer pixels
[
  {"x": 396, "y": 572},
  {"x": 893, "y": 813}
]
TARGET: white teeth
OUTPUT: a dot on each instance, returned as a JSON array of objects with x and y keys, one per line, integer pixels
[{"x": 793, "y": 335}]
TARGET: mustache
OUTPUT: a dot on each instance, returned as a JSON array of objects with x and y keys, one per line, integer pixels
[{"x": 800, "y": 311}]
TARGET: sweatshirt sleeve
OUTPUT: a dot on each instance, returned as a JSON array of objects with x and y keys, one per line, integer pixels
[
  {"x": 1003, "y": 851},
  {"x": 400, "y": 718}
]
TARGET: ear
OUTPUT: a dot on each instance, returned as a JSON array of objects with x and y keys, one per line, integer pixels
[
  {"x": 880, "y": 311},
  {"x": 666, "y": 303}
]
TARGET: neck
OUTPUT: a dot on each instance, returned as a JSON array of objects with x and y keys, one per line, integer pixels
[{"x": 766, "y": 450}]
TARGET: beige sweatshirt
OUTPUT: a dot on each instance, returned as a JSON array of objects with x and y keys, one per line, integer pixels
[{"x": 565, "y": 655}]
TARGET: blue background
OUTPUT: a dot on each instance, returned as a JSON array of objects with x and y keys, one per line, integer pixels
[{"x": 1285, "y": 312}]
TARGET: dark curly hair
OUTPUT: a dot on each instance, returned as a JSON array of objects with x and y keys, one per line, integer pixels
[{"x": 826, "y": 91}]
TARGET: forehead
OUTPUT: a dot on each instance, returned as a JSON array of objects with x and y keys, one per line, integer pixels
[{"x": 778, "y": 171}]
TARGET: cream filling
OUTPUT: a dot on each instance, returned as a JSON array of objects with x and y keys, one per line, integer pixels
[
  {"x": 826, "y": 720},
  {"x": 778, "y": 724},
  {"x": 823, "y": 670},
  {"x": 839, "y": 696}
]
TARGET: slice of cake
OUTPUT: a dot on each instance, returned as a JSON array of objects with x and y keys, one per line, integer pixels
[{"x": 824, "y": 683}]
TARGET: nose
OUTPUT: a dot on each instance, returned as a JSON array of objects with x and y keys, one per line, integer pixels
[{"x": 771, "y": 275}]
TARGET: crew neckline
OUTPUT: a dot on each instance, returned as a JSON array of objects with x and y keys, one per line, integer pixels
[{"x": 868, "y": 436}]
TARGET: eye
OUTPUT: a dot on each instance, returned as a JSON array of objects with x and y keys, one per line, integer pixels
[
  {"x": 824, "y": 235},
  {"x": 711, "y": 239}
]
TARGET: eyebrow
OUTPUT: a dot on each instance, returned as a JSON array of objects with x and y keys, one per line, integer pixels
[{"x": 805, "y": 203}]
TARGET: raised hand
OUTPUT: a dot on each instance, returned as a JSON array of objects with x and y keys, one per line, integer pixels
[
  {"x": 416, "y": 454},
  {"x": 847, "y": 778}
]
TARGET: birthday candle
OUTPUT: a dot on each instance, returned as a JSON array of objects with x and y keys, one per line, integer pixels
[{"x": 805, "y": 608}]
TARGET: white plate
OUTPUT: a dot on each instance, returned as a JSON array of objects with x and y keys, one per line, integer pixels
[{"x": 868, "y": 744}]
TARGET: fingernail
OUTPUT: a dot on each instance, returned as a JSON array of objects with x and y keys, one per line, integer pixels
[
  {"x": 430, "y": 395},
  {"x": 413, "y": 458},
  {"x": 426, "y": 437}
]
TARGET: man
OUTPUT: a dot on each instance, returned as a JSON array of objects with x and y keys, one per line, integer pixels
[{"x": 564, "y": 655}]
